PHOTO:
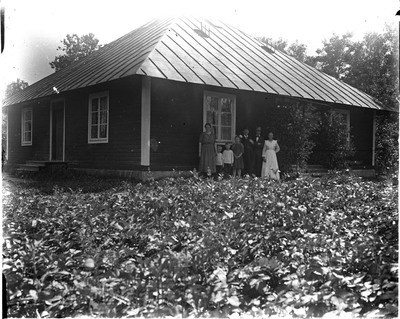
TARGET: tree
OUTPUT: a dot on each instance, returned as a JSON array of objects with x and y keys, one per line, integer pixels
[
  {"x": 374, "y": 66},
  {"x": 74, "y": 48},
  {"x": 335, "y": 57},
  {"x": 296, "y": 49},
  {"x": 370, "y": 65},
  {"x": 279, "y": 44},
  {"x": 15, "y": 87}
]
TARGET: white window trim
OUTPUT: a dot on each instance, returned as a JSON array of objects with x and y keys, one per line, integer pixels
[
  {"x": 93, "y": 96},
  {"x": 221, "y": 95},
  {"x": 23, "y": 112}
]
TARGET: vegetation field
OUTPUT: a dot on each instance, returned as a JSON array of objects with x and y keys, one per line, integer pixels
[{"x": 191, "y": 247}]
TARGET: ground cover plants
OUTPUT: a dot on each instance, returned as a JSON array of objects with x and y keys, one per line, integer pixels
[{"x": 193, "y": 247}]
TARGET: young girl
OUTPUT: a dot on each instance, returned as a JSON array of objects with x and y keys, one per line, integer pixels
[
  {"x": 238, "y": 150},
  {"x": 219, "y": 160},
  {"x": 228, "y": 160}
]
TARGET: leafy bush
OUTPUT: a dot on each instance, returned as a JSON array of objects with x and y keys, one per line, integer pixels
[
  {"x": 202, "y": 247},
  {"x": 387, "y": 145},
  {"x": 294, "y": 123},
  {"x": 334, "y": 146}
]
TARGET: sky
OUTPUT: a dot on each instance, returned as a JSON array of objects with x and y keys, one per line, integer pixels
[{"x": 34, "y": 29}]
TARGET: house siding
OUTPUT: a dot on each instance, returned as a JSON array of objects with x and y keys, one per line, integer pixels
[
  {"x": 176, "y": 123},
  {"x": 122, "y": 152},
  {"x": 177, "y": 120},
  {"x": 39, "y": 150}
]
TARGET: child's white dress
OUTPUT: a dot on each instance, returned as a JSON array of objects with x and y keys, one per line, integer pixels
[{"x": 270, "y": 167}]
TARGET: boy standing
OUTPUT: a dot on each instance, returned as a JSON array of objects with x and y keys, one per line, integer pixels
[
  {"x": 228, "y": 160},
  {"x": 219, "y": 160}
]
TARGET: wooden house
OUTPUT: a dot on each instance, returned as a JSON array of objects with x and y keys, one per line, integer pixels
[{"x": 140, "y": 102}]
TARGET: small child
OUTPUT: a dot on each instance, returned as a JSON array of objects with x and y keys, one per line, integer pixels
[
  {"x": 228, "y": 160},
  {"x": 219, "y": 160},
  {"x": 238, "y": 150}
]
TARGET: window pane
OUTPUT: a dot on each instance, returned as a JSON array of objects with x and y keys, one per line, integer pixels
[
  {"x": 103, "y": 117},
  {"x": 226, "y": 133},
  {"x": 93, "y": 132},
  {"x": 212, "y": 118},
  {"x": 212, "y": 110},
  {"x": 95, "y": 118},
  {"x": 226, "y": 119},
  {"x": 27, "y": 137},
  {"x": 95, "y": 105},
  {"x": 27, "y": 126},
  {"x": 212, "y": 103},
  {"x": 103, "y": 103},
  {"x": 103, "y": 131},
  {"x": 226, "y": 105},
  {"x": 28, "y": 115}
]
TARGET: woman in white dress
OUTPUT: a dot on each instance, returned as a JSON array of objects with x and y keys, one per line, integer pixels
[{"x": 270, "y": 167}]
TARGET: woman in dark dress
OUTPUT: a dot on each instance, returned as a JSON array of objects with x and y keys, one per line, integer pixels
[{"x": 208, "y": 151}]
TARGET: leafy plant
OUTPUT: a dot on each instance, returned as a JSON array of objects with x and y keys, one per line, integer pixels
[
  {"x": 334, "y": 146},
  {"x": 197, "y": 247},
  {"x": 296, "y": 123},
  {"x": 387, "y": 145}
]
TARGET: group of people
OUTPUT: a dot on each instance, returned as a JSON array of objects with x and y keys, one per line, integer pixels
[{"x": 248, "y": 156}]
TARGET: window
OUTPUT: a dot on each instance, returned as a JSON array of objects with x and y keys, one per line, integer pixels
[
  {"x": 98, "y": 118},
  {"x": 219, "y": 111},
  {"x": 344, "y": 119},
  {"x": 26, "y": 127}
]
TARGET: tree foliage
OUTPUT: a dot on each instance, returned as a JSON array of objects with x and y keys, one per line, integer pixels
[
  {"x": 387, "y": 143},
  {"x": 74, "y": 48},
  {"x": 296, "y": 123},
  {"x": 295, "y": 49},
  {"x": 192, "y": 247},
  {"x": 15, "y": 87},
  {"x": 334, "y": 146},
  {"x": 370, "y": 65}
]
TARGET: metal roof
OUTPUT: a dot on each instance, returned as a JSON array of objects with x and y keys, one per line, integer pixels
[{"x": 202, "y": 51}]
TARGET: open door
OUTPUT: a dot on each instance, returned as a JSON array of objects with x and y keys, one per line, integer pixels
[{"x": 57, "y": 131}]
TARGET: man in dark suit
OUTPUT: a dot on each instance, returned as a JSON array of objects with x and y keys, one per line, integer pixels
[
  {"x": 248, "y": 152},
  {"x": 258, "y": 146}
]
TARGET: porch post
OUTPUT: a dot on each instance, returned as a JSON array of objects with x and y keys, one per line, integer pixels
[
  {"x": 373, "y": 137},
  {"x": 145, "y": 122}
]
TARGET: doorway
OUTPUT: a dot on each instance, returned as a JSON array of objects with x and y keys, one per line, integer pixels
[{"x": 57, "y": 131}]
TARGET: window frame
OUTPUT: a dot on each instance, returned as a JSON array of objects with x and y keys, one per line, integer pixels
[
  {"x": 98, "y": 140},
  {"x": 23, "y": 120},
  {"x": 220, "y": 95}
]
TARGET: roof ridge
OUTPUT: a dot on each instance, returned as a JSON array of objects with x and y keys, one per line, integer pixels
[{"x": 173, "y": 20}]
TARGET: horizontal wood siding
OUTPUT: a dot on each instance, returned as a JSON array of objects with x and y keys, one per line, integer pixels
[
  {"x": 177, "y": 120},
  {"x": 39, "y": 150},
  {"x": 176, "y": 123},
  {"x": 123, "y": 148}
]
